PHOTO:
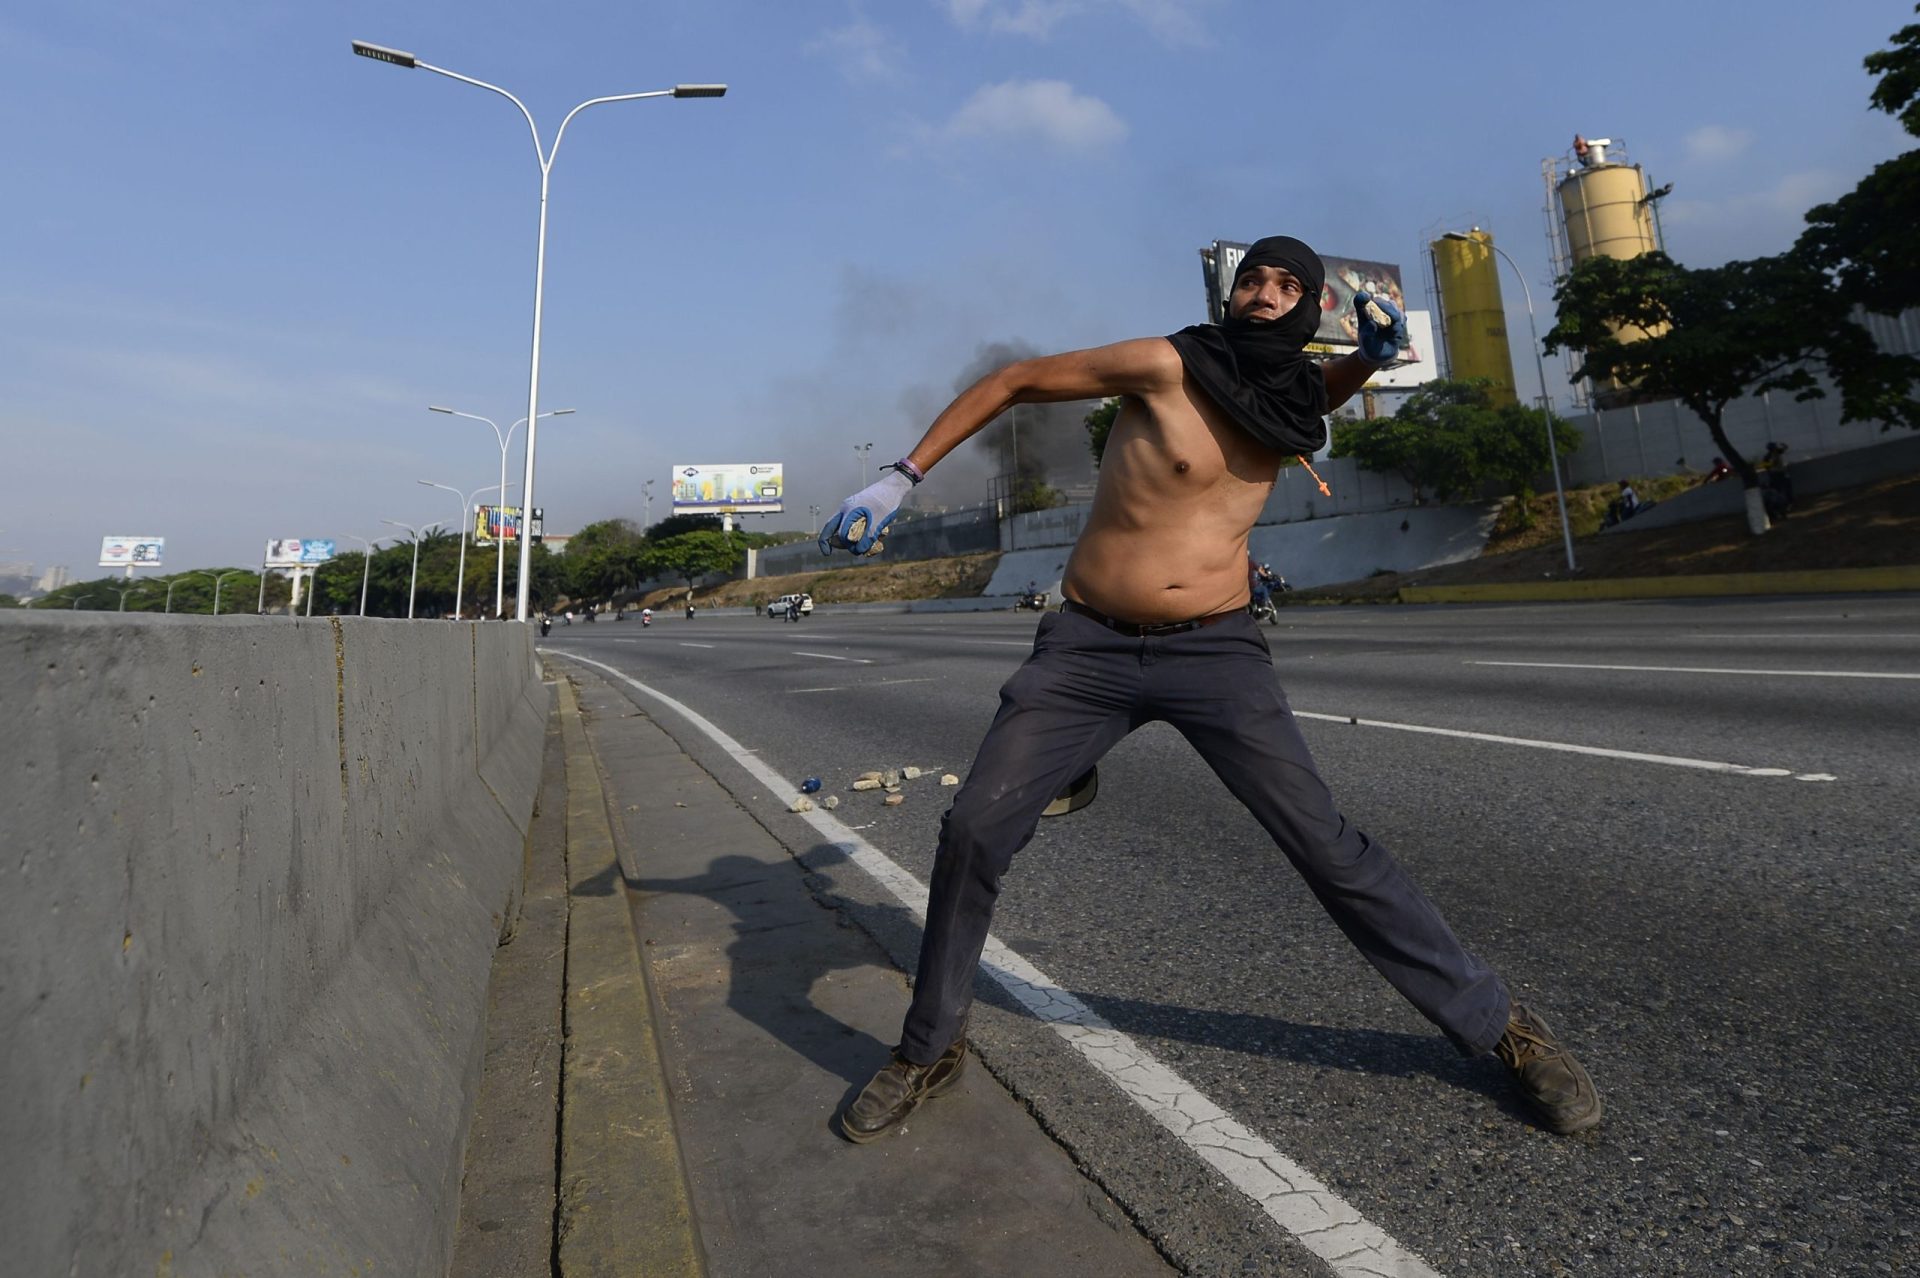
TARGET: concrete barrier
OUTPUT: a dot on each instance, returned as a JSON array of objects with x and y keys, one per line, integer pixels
[{"x": 255, "y": 873}]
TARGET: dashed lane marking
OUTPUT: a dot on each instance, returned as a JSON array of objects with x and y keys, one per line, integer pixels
[
  {"x": 685, "y": 644},
  {"x": 1801, "y": 674},
  {"x": 1567, "y": 747},
  {"x": 1290, "y": 1195},
  {"x": 828, "y": 656}
]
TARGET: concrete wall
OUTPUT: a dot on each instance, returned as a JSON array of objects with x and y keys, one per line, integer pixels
[{"x": 255, "y": 872}]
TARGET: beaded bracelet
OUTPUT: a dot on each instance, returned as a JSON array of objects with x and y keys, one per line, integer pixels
[{"x": 906, "y": 467}]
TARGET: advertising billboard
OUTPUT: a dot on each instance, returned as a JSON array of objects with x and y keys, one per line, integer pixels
[
  {"x": 140, "y": 552},
  {"x": 755, "y": 487},
  {"x": 1345, "y": 276},
  {"x": 297, "y": 552},
  {"x": 495, "y": 523}
]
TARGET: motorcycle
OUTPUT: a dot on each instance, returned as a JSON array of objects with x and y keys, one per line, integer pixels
[
  {"x": 1263, "y": 610},
  {"x": 546, "y": 626},
  {"x": 646, "y": 619},
  {"x": 1034, "y": 600}
]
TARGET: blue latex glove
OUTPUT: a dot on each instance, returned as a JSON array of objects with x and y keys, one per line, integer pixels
[
  {"x": 1380, "y": 343},
  {"x": 863, "y": 518}
]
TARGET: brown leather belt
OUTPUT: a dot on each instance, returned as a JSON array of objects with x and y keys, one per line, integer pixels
[{"x": 1137, "y": 630}]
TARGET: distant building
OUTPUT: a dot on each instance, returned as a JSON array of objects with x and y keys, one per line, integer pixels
[
  {"x": 52, "y": 579},
  {"x": 16, "y": 576}
]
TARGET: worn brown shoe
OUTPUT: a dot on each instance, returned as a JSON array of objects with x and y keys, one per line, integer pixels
[
  {"x": 897, "y": 1091},
  {"x": 1553, "y": 1084}
]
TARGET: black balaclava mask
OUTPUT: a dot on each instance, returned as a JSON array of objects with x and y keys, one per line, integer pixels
[{"x": 1258, "y": 371}]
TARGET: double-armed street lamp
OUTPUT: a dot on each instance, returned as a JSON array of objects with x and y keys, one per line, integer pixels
[
  {"x": 236, "y": 572},
  {"x": 366, "y": 567},
  {"x": 416, "y": 534},
  {"x": 861, "y": 451},
  {"x": 78, "y": 600},
  {"x": 545, "y": 157},
  {"x": 1546, "y": 403},
  {"x": 500, "y": 566},
  {"x": 466, "y": 502}
]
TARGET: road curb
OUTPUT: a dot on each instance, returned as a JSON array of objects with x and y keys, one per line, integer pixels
[
  {"x": 1826, "y": 581},
  {"x": 624, "y": 1206}
]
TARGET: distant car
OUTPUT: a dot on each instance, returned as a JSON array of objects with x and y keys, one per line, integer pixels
[{"x": 778, "y": 608}]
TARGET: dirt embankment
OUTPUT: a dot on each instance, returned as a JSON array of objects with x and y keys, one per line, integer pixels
[
  {"x": 963, "y": 576},
  {"x": 1874, "y": 525}
]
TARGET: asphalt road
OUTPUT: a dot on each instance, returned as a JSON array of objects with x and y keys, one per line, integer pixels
[{"x": 1730, "y": 949}]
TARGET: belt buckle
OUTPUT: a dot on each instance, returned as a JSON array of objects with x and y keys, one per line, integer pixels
[{"x": 1163, "y": 628}]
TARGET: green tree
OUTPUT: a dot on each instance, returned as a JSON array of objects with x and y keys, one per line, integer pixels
[
  {"x": 10, "y": 601},
  {"x": 1708, "y": 336},
  {"x": 674, "y": 525},
  {"x": 1866, "y": 238},
  {"x": 693, "y": 555},
  {"x": 1450, "y": 438},
  {"x": 1099, "y": 424}
]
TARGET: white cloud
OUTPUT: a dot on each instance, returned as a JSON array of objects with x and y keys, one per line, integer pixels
[
  {"x": 864, "y": 53},
  {"x": 1713, "y": 143},
  {"x": 1173, "y": 21},
  {"x": 1708, "y": 230},
  {"x": 1049, "y": 110}
]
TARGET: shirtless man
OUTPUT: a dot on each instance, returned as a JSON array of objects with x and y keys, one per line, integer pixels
[{"x": 1154, "y": 626}]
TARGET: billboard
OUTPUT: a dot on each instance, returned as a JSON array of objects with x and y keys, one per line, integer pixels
[
  {"x": 496, "y": 523},
  {"x": 739, "y": 487},
  {"x": 1345, "y": 276},
  {"x": 297, "y": 552},
  {"x": 140, "y": 552}
]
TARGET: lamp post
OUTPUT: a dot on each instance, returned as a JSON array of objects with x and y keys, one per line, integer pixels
[
  {"x": 416, "y": 534},
  {"x": 500, "y": 569},
  {"x": 466, "y": 501},
  {"x": 1546, "y": 404},
  {"x": 177, "y": 580},
  {"x": 366, "y": 567},
  {"x": 78, "y": 599},
  {"x": 860, "y": 451},
  {"x": 545, "y": 157},
  {"x": 216, "y": 587}
]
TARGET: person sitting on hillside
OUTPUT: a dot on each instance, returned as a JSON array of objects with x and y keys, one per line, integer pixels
[
  {"x": 1776, "y": 484},
  {"x": 1623, "y": 507}
]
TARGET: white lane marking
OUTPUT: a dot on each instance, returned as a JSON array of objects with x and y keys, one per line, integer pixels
[
  {"x": 1290, "y": 1195},
  {"x": 828, "y": 656},
  {"x": 1805, "y": 674},
  {"x": 1677, "y": 761},
  {"x": 998, "y": 643},
  {"x": 1815, "y": 634},
  {"x": 685, "y": 644},
  {"x": 623, "y": 641},
  {"x": 875, "y": 684}
]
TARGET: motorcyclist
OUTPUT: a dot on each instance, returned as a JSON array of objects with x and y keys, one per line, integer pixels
[
  {"x": 646, "y": 616},
  {"x": 546, "y": 625}
]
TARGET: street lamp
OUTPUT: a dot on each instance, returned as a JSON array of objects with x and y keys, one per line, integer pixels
[
  {"x": 545, "y": 157},
  {"x": 177, "y": 580},
  {"x": 500, "y": 551},
  {"x": 216, "y": 587},
  {"x": 466, "y": 500},
  {"x": 416, "y": 534},
  {"x": 366, "y": 567},
  {"x": 78, "y": 599},
  {"x": 861, "y": 451},
  {"x": 1546, "y": 404}
]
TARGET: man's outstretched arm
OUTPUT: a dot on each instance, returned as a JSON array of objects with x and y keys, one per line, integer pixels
[{"x": 1143, "y": 366}]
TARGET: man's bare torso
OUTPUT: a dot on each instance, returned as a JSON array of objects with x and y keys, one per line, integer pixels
[{"x": 1180, "y": 488}]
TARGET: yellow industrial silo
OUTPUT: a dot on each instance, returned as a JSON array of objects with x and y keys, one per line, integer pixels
[
  {"x": 1473, "y": 323},
  {"x": 1605, "y": 211}
]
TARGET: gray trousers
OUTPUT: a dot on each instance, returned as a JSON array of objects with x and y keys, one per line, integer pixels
[{"x": 1083, "y": 689}]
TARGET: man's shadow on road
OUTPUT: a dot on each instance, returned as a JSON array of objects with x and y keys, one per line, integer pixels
[{"x": 776, "y": 970}]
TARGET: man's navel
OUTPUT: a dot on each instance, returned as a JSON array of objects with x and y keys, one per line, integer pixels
[{"x": 1180, "y": 468}]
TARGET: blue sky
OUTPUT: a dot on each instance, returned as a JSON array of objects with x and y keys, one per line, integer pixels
[{"x": 243, "y": 261}]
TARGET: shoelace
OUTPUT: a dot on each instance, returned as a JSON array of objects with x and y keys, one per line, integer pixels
[{"x": 1520, "y": 1046}]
